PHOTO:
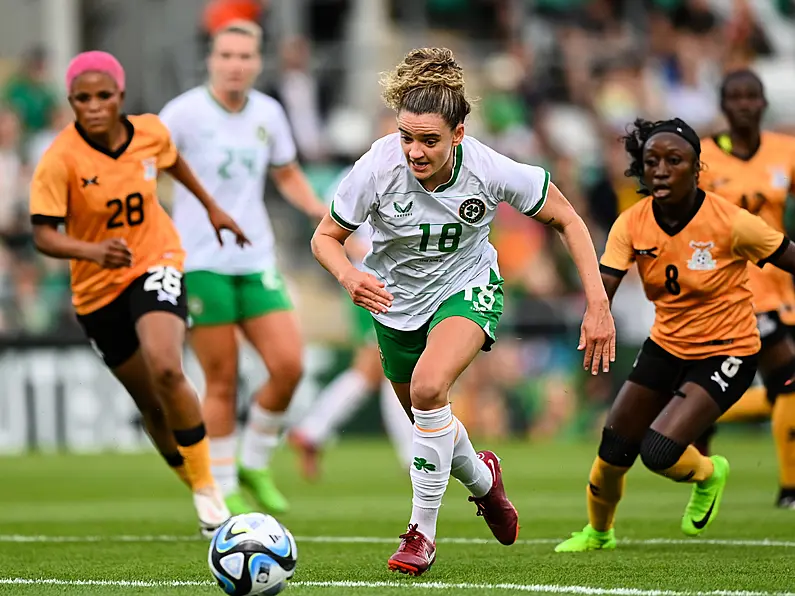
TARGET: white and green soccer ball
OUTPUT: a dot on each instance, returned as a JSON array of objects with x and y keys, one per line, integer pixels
[{"x": 252, "y": 554}]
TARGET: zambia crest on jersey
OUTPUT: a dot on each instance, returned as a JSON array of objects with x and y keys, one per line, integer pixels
[
  {"x": 472, "y": 210},
  {"x": 150, "y": 168},
  {"x": 702, "y": 259}
]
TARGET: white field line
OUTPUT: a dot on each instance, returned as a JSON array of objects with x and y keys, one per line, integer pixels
[
  {"x": 23, "y": 538},
  {"x": 418, "y": 585}
]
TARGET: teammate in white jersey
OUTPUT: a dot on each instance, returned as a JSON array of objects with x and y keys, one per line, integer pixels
[
  {"x": 432, "y": 282},
  {"x": 348, "y": 392},
  {"x": 233, "y": 136}
]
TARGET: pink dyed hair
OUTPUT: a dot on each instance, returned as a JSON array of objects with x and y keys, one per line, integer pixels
[{"x": 95, "y": 62}]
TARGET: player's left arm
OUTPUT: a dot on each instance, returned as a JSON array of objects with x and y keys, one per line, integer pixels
[
  {"x": 754, "y": 240},
  {"x": 286, "y": 174},
  {"x": 598, "y": 336},
  {"x": 291, "y": 182},
  {"x": 529, "y": 189}
]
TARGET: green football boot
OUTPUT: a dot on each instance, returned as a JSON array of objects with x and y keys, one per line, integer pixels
[
  {"x": 705, "y": 499},
  {"x": 263, "y": 489},
  {"x": 237, "y": 504},
  {"x": 588, "y": 539}
]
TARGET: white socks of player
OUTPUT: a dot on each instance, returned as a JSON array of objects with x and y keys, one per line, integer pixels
[
  {"x": 468, "y": 468},
  {"x": 434, "y": 440},
  {"x": 260, "y": 437},
  {"x": 397, "y": 424},
  {"x": 223, "y": 463},
  {"x": 335, "y": 405},
  {"x": 442, "y": 447}
]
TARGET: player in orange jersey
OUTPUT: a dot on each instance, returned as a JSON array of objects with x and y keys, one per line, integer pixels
[
  {"x": 755, "y": 169},
  {"x": 99, "y": 178},
  {"x": 692, "y": 250}
]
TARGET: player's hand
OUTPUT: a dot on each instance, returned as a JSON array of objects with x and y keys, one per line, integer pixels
[
  {"x": 366, "y": 291},
  {"x": 598, "y": 338},
  {"x": 113, "y": 253},
  {"x": 221, "y": 220}
]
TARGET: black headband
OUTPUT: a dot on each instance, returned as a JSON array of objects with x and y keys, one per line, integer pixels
[{"x": 681, "y": 129}]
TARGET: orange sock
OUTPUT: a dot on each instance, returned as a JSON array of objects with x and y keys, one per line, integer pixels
[
  {"x": 784, "y": 437},
  {"x": 753, "y": 404},
  {"x": 177, "y": 463},
  {"x": 604, "y": 491},
  {"x": 182, "y": 472},
  {"x": 195, "y": 448},
  {"x": 691, "y": 467}
]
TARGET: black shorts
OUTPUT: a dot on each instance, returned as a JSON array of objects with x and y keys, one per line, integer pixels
[
  {"x": 111, "y": 329},
  {"x": 771, "y": 329},
  {"x": 725, "y": 378}
]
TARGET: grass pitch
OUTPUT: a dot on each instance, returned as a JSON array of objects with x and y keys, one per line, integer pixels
[{"x": 122, "y": 524}]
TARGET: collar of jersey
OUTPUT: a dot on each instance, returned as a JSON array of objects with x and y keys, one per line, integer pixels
[
  {"x": 723, "y": 141},
  {"x": 458, "y": 159},
  {"x": 222, "y": 106},
  {"x": 112, "y": 154},
  {"x": 674, "y": 230}
]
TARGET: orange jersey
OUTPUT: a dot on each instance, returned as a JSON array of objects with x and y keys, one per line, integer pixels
[
  {"x": 101, "y": 195},
  {"x": 696, "y": 275},
  {"x": 760, "y": 185}
]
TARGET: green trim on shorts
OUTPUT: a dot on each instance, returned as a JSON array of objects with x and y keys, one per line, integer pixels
[
  {"x": 219, "y": 299},
  {"x": 401, "y": 350}
]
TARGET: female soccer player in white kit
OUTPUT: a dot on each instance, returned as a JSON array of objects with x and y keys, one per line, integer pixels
[
  {"x": 233, "y": 136},
  {"x": 347, "y": 393},
  {"x": 432, "y": 281}
]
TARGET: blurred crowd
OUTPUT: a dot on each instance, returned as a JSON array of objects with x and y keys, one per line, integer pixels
[{"x": 557, "y": 82}]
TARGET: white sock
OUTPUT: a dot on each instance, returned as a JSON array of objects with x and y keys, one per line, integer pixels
[
  {"x": 468, "y": 468},
  {"x": 397, "y": 423},
  {"x": 335, "y": 405},
  {"x": 434, "y": 435},
  {"x": 223, "y": 464},
  {"x": 260, "y": 437}
]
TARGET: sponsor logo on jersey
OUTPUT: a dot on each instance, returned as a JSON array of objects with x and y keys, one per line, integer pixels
[
  {"x": 403, "y": 211},
  {"x": 472, "y": 210},
  {"x": 702, "y": 259},
  {"x": 262, "y": 134},
  {"x": 646, "y": 252}
]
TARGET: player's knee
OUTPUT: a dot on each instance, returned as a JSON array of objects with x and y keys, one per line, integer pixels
[
  {"x": 428, "y": 390},
  {"x": 617, "y": 450},
  {"x": 658, "y": 452},
  {"x": 167, "y": 373},
  {"x": 781, "y": 380},
  {"x": 287, "y": 373}
]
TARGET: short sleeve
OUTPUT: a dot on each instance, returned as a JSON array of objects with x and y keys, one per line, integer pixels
[
  {"x": 170, "y": 116},
  {"x": 167, "y": 154},
  {"x": 522, "y": 186},
  {"x": 49, "y": 190},
  {"x": 281, "y": 138},
  {"x": 754, "y": 240},
  {"x": 619, "y": 254},
  {"x": 355, "y": 195}
]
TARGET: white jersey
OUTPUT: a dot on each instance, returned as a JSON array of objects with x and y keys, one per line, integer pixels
[
  {"x": 230, "y": 154},
  {"x": 364, "y": 231},
  {"x": 427, "y": 245}
]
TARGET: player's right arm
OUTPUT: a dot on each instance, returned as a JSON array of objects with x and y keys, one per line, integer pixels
[
  {"x": 49, "y": 194},
  {"x": 618, "y": 256},
  {"x": 348, "y": 211}
]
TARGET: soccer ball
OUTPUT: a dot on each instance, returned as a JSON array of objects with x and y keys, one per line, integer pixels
[{"x": 252, "y": 554}]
